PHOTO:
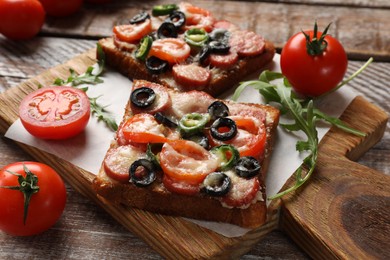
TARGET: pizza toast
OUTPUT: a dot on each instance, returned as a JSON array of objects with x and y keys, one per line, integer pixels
[
  {"x": 202, "y": 53},
  {"x": 158, "y": 162}
]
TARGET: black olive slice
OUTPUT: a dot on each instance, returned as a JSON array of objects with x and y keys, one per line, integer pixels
[
  {"x": 223, "y": 122},
  {"x": 143, "y": 97},
  {"x": 204, "y": 54},
  {"x": 139, "y": 18},
  {"x": 200, "y": 139},
  {"x": 247, "y": 167},
  {"x": 218, "y": 109},
  {"x": 177, "y": 18},
  {"x": 216, "y": 184},
  {"x": 167, "y": 30},
  {"x": 220, "y": 35},
  {"x": 155, "y": 65},
  {"x": 162, "y": 119},
  {"x": 142, "y": 172},
  {"x": 219, "y": 47}
]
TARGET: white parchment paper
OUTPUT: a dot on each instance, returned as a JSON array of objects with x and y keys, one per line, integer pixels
[{"x": 87, "y": 150}]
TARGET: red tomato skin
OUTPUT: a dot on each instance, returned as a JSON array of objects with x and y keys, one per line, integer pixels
[
  {"x": 98, "y": 1},
  {"x": 46, "y": 206},
  {"x": 61, "y": 8},
  {"x": 21, "y": 19},
  {"x": 60, "y": 129},
  {"x": 313, "y": 75}
]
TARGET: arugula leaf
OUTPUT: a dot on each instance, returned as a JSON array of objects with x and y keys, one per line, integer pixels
[
  {"x": 102, "y": 114},
  {"x": 91, "y": 76},
  {"x": 305, "y": 117}
]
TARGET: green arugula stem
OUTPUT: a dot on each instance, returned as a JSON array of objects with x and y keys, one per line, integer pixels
[
  {"x": 91, "y": 77},
  {"x": 346, "y": 81},
  {"x": 304, "y": 115}
]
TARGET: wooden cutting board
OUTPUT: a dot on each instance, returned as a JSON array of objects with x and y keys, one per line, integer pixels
[{"x": 344, "y": 212}]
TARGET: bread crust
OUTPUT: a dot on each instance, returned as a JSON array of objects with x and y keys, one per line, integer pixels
[
  {"x": 221, "y": 81},
  {"x": 156, "y": 198}
]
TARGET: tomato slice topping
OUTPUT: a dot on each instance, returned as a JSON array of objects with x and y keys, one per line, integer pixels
[
  {"x": 197, "y": 17},
  {"x": 143, "y": 128},
  {"x": 132, "y": 32},
  {"x": 250, "y": 138},
  {"x": 172, "y": 50},
  {"x": 187, "y": 161},
  {"x": 55, "y": 112}
]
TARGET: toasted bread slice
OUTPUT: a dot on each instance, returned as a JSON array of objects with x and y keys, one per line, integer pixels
[
  {"x": 156, "y": 197},
  {"x": 221, "y": 79}
]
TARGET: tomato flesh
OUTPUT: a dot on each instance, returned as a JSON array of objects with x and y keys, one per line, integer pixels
[
  {"x": 132, "y": 32},
  {"x": 55, "y": 112},
  {"x": 45, "y": 208},
  {"x": 143, "y": 128},
  {"x": 172, "y": 50},
  {"x": 313, "y": 75},
  {"x": 250, "y": 138},
  {"x": 187, "y": 161}
]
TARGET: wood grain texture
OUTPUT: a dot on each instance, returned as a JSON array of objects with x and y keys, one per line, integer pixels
[
  {"x": 88, "y": 232},
  {"x": 159, "y": 231},
  {"x": 85, "y": 231},
  {"x": 363, "y": 31},
  {"x": 349, "y": 3},
  {"x": 344, "y": 212}
]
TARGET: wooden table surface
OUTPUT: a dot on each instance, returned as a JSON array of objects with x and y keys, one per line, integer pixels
[{"x": 85, "y": 231}]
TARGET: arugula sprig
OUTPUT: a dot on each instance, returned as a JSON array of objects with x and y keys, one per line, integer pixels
[
  {"x": 305, "y": 117},
  {"x": 91, "y": 76}
]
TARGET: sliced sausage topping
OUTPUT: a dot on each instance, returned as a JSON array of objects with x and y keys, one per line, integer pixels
[
  {"x": 118, "y": 160},
  {"x": 191, "y": 76},
  {"x": 247, "y": 43},
  {"x": 161, "y": 100}
]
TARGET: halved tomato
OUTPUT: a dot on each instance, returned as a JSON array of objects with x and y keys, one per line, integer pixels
[
  {"x": 132, "y": 32},
  {"x": 55, "y": 112},
  {"x": 187, "y": 161},
  {"x": 172, "y": 50},
  {"x": 143, "y": 128},
  {"x": 250, "y": 138}
]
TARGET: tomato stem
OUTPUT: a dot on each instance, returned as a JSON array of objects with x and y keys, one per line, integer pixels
[
  {"x": 316, "y": 46},
  {"x": 27, "y": 185}
]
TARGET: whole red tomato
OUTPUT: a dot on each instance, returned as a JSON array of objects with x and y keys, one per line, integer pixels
[
  {"x": 47, "y": 198},
  {"x": 61, "y": 8},
  {"x": 21, "y": 19},
  {"x": 316, "y": 69}
]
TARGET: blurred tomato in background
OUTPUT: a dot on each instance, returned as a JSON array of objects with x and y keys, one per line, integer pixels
[
  {"x": 21, "y": 19},
  {"x": 61, "y": 8}
]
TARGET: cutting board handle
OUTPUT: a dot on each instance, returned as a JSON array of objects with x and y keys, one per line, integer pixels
[{"x": 344, "y": 211}]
